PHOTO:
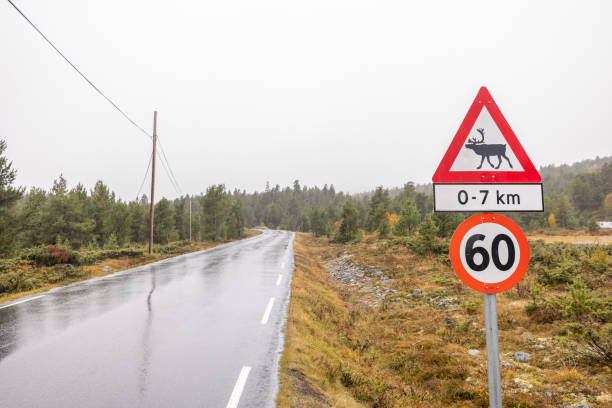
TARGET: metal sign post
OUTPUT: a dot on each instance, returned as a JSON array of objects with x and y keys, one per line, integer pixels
[{"x": 490, "y": 310}]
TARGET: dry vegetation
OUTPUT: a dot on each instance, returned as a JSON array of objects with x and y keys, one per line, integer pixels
[{"x": 412, "y": 350}]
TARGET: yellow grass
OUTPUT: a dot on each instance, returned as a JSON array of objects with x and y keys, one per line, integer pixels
[
  {"x": 342, "y": 353},
  {"x": 595, "y": 239}
]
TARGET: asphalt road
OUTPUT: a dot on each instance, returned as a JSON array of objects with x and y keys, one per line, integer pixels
[{"x": 199, "y": 330}]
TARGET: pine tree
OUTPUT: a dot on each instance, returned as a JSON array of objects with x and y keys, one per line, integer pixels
[
  {"x": 447, "y": 223},
  {"x": 163, "y": 227},
  {"x": 119, "y": 222},
  {"x": 101, "y": 202},
  {"x": 214, "y": 205},
  {"x": 31, "y": 218},
  {"x": 408, "y": 220},
  {"x": 138, "y": 221},
  {"x": 235, "y": 220},
  {"x": 427, "y": 235},
  {"x": 379, "y": 206},
  {"x": 9, "y": 196},
  {"x": 349, "y": 225}
]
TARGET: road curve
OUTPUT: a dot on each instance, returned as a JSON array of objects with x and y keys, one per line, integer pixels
[{"x": 198, "y": 330}]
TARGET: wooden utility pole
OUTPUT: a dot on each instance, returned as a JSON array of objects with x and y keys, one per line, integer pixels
[
  {"x": 189, "y": 218},
  {"x": 152, "y": 212}
]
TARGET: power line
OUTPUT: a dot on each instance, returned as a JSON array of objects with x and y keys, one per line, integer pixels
[
  {"x": 79, "y": 72},
  {"x": 165, "y": 165},
  {"x": 159, "y": 156},
  {"x": 169, "y": 168},
  {"x": 145, "y": 176}
]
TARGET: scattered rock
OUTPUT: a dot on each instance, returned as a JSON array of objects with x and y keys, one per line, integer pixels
[
  {"x": 106, "y": 269},
  {"x": 473, "y": 352},
  {"x": 370, "y": 281},
  {"x": 417, "y": 291},
  {"x": 548, "y": 394},
  {"x": 522, "y": 357},
  {"x": 444, "y": 302},
  {"x": 523, "y": 383},
  {"x": 507, "y": 364}
]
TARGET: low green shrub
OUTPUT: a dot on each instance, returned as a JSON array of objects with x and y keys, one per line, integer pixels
[
  {"x": 472, "y": 306},
  {"x": 555, "y": 275},
  {"x": 16, "y": 282},
  {"x": 8, "y": 265}
]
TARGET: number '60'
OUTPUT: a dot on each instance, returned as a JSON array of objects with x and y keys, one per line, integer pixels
[{"x": 471, "y": 251}]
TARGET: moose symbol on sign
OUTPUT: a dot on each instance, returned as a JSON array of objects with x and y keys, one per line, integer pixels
[{"x": 486, "y": 150}]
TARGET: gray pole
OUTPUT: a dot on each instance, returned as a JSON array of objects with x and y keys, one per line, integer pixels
[{"x": 490, "y": 309}]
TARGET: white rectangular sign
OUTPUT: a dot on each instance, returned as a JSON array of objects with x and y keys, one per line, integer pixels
[{"x": 485, "y": 197}]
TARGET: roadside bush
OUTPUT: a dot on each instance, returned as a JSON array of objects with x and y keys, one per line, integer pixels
[
  {"x": 16, "y": 282},
  {"x": 541, "y": 310},
  {"x": 599, "y": 262},
  {"x": 598, "y": 345},
  {"x": 579, "y": 305},
  {"x": 51, "y": 255},
  {"x": 92, "y": 256},
  {"x": 8, "y": 265},
  {"x": 60, "y": 273},
  {"x": 563, "y": 273}
]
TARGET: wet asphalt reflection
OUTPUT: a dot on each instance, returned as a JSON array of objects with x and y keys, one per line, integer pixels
[{"x": 177, "y": 333}]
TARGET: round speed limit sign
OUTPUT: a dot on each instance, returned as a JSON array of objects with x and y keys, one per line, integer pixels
[{"x": 489, "y": 253}]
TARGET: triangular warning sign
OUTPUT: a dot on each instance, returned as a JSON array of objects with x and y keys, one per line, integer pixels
[{"x": 485, "y": 149}]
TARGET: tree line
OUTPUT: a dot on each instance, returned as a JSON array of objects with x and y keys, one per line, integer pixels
[{"x": 98, "y": 218}]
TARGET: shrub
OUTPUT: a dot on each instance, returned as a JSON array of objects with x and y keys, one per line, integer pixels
[
  {"x": 564, "y": 273},
  {"x": 599, "y": 261},
  {"x": 92, "y": 256},
  {"x": 579, "y": 305},
  {"x": 598, "y": 345},
  {"x": 51, "y": 255},
  {"x": 8, "y": 265},
  {"x": 16, "y": 282},
  {"x": 541, "y": 310},
  {"x": 111, "y": 242},
  {"x": 472, "y": 307}
]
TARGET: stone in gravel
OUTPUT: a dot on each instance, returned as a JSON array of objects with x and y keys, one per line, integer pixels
[
  {"x": 385, "y": 282},
  {"x": 522, "y": 357},
  {"x": 106, "y": 269},
  {"x": 393, "y": 290},
  {"x": 548, "y": 394},
  {"x": 417, "y": 291},
  {"x": 473, "y": 352}
]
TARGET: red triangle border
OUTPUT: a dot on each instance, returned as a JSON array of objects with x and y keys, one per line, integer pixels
[{"x": 444, "y": 175}]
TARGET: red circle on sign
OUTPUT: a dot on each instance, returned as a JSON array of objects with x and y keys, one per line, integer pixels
[{"x": 459, "y": 267}]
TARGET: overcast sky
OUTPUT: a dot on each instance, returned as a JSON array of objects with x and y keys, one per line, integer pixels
[{"x": 354, "y": 93}]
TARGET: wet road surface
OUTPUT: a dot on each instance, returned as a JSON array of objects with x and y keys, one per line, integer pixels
[{"x": 199, "y": 330}]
